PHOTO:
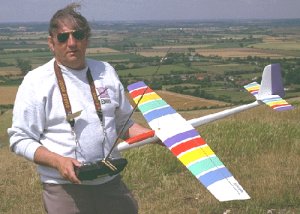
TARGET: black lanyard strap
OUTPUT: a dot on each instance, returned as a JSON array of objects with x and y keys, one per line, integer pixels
[{"x": 94, "y": 95}]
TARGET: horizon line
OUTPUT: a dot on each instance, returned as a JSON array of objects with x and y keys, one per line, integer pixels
[{"x": 163, "y": 20}]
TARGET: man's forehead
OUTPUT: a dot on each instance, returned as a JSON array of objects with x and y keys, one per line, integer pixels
[{"x": 66, "y": 25}]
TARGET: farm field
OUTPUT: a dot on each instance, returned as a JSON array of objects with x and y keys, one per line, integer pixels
[
  {"x": 185, "y": 102},
  {"x": 7, "y": 94},
  {"x": 221, "y": 52},
  {"x": 9, "y": 71}
]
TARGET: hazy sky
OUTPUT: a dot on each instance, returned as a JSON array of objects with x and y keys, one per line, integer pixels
[{"x": 103, "y": 10}]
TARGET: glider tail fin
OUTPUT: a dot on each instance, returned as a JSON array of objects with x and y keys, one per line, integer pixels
[{"x": 271, "y": 89}]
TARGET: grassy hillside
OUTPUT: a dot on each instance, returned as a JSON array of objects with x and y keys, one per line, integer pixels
[{"x": 260, "y": 147}]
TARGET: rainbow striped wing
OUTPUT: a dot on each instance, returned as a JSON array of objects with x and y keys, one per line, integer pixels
[
  {"x": 253, "y": 88},
  {"x": 274, "y": 101},
  {"x": 186, "y": 144},
  {"x": 277, "y": 103}
]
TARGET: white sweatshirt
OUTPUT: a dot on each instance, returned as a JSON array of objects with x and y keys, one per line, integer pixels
[{"x": 39, "y": 117}]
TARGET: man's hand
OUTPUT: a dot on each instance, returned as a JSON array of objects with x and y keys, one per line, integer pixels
[
  {"x": 64, "y": 165},
  {"x": 136, "y": 130}
]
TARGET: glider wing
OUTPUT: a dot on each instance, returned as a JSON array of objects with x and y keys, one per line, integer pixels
[
  {"x": 186, "y": 144},
  {"x": 274, "y": 101}
]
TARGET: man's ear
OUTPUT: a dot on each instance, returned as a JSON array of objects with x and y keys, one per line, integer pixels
[{"x": 50, "y": 43}]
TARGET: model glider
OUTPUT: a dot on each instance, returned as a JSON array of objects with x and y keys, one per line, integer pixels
[{"x": 186, "y": 143}]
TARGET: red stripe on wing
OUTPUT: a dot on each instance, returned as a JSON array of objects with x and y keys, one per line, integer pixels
[
  {"x": 139, "y": 92},
  {"x": 187, "y": 145}
]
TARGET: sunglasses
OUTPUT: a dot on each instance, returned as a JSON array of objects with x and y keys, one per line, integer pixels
[{"x": 77, "y": 34}]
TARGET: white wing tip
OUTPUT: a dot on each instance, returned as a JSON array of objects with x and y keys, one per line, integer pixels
[{"x": 228, "y": 190}]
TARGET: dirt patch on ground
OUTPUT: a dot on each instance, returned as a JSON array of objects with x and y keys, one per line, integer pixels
[
  {"x": 226, "y": 52},
  {"x": 9, "y": 72},
  {"x": 180, "y": 101},
  {"x": 7, "y": 94},
  {"x": 236, "y": 52},
  {"x": 101, "y": 50}
]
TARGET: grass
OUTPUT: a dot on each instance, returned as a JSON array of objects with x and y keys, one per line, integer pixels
[
  {"x": 284, "y": 45},
  {"x": 260, "y": 147},
  {"x": 150, "y": 70}
]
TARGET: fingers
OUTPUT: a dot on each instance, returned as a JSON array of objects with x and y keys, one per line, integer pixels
[
  {"x": 73, "y": 177},
  {"x": 66, "y": 169}
]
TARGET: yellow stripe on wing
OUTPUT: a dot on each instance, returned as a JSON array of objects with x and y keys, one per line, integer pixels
[
  {"x": 147, "y": 97},
  {"x": 195, "y": 154}
]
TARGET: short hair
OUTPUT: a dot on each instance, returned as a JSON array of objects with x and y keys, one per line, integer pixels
[{"x": 69, "y": 12}]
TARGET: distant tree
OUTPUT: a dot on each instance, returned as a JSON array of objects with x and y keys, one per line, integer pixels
[
  {"x": 24, "y": 65},
  {"x": 120, "y": 67},
  {"x": 156, "y": 84},
  {"x": 293, "y": 77},
  {"x": 191, "y": 50},
  {"x": 188, "y": 64}
]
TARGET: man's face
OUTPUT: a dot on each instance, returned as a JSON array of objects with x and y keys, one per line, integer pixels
[{"x": 69, "y": 48}]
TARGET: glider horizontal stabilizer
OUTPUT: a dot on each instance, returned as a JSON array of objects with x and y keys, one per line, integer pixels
[
  {"x": 271, "y": 89},
  {"x": 186, "y": 144}
]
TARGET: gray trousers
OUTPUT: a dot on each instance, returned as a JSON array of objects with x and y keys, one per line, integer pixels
[{"x": 112, "y": 197}]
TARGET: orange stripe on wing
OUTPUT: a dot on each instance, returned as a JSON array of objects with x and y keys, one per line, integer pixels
[
  {"x": 185, "y": 146},
  {"x": 139, "y": 92}
]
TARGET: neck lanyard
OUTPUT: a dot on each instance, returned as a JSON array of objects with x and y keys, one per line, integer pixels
[{"x": 65, "y": 97}]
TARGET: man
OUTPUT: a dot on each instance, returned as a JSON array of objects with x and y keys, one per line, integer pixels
[{"x": 41, "y": 133}]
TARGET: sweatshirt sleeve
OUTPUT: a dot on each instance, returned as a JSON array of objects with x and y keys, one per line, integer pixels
[
  {"x": 28, "y": 120},
  {"x": 123, "y": 113}
]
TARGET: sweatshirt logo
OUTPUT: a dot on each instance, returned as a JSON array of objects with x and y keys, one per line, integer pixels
[{"x": 103, "y": 95}]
